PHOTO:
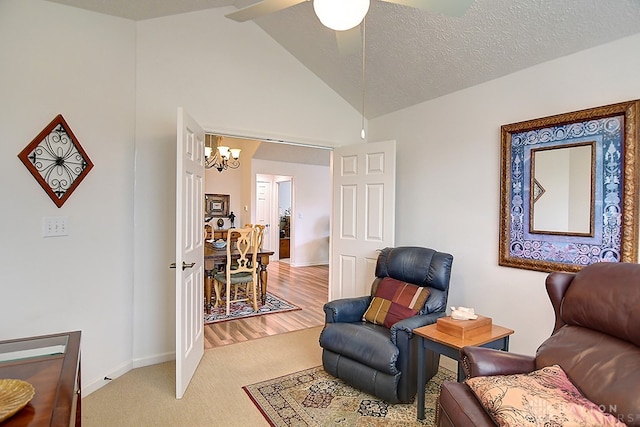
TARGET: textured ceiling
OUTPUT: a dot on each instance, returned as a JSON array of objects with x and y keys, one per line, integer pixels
[{"x": 412, "y": 55}]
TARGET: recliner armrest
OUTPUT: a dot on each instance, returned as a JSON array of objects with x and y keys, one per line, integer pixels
[
  {"x": 409, "y": 324},
  {"x": 346, "y": 310},
  {"x": 481, "y": 361}
]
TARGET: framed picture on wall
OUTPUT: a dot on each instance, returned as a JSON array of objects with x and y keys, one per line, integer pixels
[
  {"x": 216, "y": 205},
  {"x": 569, "y": 189}
]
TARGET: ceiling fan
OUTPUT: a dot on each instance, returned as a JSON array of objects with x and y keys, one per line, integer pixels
[{"x": 342, "y": 15}]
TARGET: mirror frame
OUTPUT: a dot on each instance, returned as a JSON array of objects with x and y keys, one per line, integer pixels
[{"x": 614, "y": 129}]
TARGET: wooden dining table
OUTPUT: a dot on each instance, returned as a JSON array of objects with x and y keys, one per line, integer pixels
[{"x": 215, "y": 258}]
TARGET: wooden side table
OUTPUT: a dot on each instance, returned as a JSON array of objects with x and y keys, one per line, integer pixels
[
  {"x": 51, "y": 364},
  {"x": 430, "y": 338}
]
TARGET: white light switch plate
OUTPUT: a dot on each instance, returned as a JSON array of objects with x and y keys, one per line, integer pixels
[{"x": 54, "y": 226}]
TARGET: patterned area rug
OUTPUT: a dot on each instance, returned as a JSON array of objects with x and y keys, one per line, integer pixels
[
  {"x": 239, "y": 310},
  {"x": 314, "y": 398}
]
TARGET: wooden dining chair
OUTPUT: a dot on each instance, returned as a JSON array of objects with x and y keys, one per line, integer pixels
[
  {"x": 240, "y": 271},
  {"x": 259, "y": 229}
]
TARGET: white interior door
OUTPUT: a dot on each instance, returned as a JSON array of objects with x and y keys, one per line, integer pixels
[
  {"x": 189, "y": 250},
  {"x": 363, "y": 214},
  {"x": 263, "y": 212}
]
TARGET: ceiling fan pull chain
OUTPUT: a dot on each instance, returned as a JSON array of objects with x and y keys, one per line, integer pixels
[{"x": 364, "y": 43}]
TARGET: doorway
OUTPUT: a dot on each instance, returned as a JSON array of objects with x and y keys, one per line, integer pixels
[
  {"x": 274, "y": 207},
  {"x": 285, "y": 214},
  {"x": 253, "y": 189}
]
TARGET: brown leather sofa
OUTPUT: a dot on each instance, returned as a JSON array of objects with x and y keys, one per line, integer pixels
[{"x": 595, "y": 340}]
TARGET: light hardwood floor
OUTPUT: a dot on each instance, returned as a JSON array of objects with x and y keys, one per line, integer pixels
[{"x": 306, "y": 287}]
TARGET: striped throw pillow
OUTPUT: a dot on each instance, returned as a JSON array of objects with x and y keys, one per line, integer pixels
[{"x": 394, "y": 301}]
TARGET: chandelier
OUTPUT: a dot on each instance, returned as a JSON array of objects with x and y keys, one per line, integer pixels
[{"x": 223, "y": 157}]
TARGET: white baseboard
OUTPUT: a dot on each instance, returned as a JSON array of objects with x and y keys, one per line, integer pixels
[
  {"x": 154, "y": 360},
  {"x": 97, "y": 383},
  {"x": 309, "y": 264}
]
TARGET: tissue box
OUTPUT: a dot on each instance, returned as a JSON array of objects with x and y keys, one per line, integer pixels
[{"x": 464, "y": 329}]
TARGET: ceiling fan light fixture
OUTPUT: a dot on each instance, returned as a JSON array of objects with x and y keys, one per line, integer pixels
[{"x": 341, "y": 15}]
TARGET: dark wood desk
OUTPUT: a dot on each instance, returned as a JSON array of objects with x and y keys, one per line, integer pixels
[
  {"x": 51, "y": 364},
  {"x": 213, "y": 258}
]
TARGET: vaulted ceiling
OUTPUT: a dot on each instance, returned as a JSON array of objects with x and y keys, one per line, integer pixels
[{"x": 413, "y": 55}]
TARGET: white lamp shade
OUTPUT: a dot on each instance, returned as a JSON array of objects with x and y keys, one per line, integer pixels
[
  {"x": 235, "y": 152},
  {"x": 224, "y": 151},
  {"x": 207, "y": 152},
  {"x": 341, "y": 15}
]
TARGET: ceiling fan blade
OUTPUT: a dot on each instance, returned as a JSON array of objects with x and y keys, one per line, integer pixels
[
  {"x": 446, "y": 7},
  {"x": 262, "y": 8},
  {"x": 349, "y": 41}
]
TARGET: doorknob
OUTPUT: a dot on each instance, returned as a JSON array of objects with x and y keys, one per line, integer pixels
[{"x": 184, "y": 265}]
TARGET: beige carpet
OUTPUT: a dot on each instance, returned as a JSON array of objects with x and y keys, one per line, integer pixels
[{"x": 146, "y": 396}]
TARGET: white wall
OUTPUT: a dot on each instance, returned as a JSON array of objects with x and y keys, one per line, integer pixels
[
  {"x": 118, "y": 84},
  {"x": 311, "y": 202},
  {"x": 232, "y": 79},
  {"x": 448, "y": 163},
  {"x": 62, "y": 60}
]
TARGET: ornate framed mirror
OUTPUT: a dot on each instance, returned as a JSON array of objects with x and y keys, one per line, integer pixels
[{"x": 569, "y": 189}]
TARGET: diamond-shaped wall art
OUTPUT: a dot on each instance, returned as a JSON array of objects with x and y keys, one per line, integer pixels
[{"x": 56, "y": 160}]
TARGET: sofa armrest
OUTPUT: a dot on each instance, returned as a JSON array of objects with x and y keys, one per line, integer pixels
[
  {"x": 346, "y": 310},
  {"x": 481, "y": 361},
  {"x": 409, "y": 324},
  {"x": 457, "y": 405}
]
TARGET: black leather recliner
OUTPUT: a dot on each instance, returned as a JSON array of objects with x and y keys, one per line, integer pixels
[{"x": 373, "y": 358}]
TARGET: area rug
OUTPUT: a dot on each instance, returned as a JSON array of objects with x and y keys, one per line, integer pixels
[
  {"x": 314, "y": 398},
  {"x": 243, "y": 309}
]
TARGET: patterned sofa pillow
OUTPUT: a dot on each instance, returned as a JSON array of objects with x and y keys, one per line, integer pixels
[
  {"x": 394, "y": 301},
  {"x": 542, "y": 397}
]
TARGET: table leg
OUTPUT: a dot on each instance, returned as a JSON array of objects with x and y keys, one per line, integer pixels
[
  {"x": 421, "y": 378},
  {"x": 461, "y": 375},
  {"x": 208, "y": 283},
  {"x": 505, "y": 344},
  {"x": 263, "y": 276},
  {"x": 424, "y": 345}
]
